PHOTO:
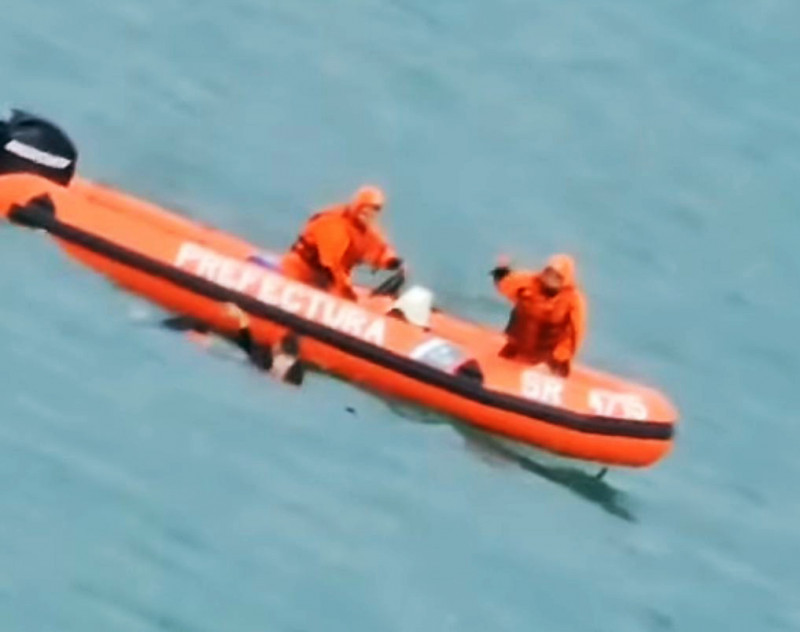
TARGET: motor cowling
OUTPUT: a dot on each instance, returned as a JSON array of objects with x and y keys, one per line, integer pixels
[{"x": 31, "y": 144}]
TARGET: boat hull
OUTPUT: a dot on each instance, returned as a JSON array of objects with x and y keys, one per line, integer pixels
[{"x": 193, "y": 270}]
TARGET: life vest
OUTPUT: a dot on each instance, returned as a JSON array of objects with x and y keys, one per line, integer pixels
[
  {"x": 364, "y": 245},
  {"x": 539, "y": 322},
  {"x": 541, "y": 326}
]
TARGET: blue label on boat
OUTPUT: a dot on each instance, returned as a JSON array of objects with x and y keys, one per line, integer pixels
[
  {"x": 266, "y": 260},
  {"x": 438, "y": 353}
]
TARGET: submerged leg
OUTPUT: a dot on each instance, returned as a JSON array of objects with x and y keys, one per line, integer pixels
[
  {"x": 185, "y": 323},
  {"x": 287, "y": 366}
]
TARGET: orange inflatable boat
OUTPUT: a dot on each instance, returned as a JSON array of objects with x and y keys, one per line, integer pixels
[{"x": 398, "y": 345}]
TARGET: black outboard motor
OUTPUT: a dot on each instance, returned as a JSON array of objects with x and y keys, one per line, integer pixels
[{"x": 31, "y": 144}]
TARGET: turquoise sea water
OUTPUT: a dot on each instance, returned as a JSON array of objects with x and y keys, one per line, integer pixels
[{"x": 149, "y": 485}]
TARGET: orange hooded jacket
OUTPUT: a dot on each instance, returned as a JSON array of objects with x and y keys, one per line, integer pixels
[
  {"x": 544, "y": 328},
  {"x": 331, "y": 244}
]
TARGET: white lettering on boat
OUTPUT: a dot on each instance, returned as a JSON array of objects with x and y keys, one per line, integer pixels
[
  {"x": 614, "y": 404},
  {"x": 273, "y": 289},
  {"x": 542, "y": 388},
  {"x": 36, "y": 155}
]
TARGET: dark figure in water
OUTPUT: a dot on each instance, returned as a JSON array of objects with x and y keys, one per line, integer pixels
[{"x": 281, "y": 359}]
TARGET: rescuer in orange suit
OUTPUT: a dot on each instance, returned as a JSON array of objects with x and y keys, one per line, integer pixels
[
  {"x": 548, "y": 320},
  {"x": 339, "y": 238}
]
